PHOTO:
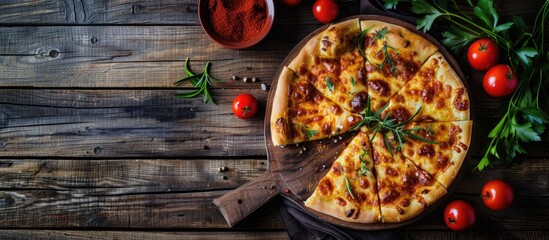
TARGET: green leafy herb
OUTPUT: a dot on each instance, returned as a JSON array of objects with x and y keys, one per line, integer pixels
[
  {"x": 201, "y": 83},
  {"x": 310, "y": 132},
  {"x": 359, "y": 42},
  {"x": 353, "y": 81},
  {"x": 390, "y": 4},
  {"x": 347, "y": 183},
  {"x": 388, "y": 59},
  {"x": 363, "y": 169},
  {"x": 380, "y": 34},
  {"x": 329, "y": 84},
  {"x": 387, "y": 125},
  {"x": 524, "y": 120}
]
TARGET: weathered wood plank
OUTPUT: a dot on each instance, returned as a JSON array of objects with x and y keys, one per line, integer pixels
[
  {"x": 138, "y": 235},
  {"x": 124, "y": 123},
  {"x": 99, "y": 12},
  {"x": 129, "y": 176},
  {"x": 141, "y": 123},
  {"x": 84, "y": 208},
  {"x": 87, "y": 209},
  {"x": 132, "y": 56},
  {"x": 73, "y": 191},
  {"x": 173, "y": 12},
  {"x": 180, "y": 12}
]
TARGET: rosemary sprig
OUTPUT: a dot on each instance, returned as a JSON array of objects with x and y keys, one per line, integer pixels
[
  {"x": 347, "y": 183},
  {"x": 387, "y": 125},
  {"x": 329, "y": 84},
  {"x": 201, "y": 83},
  {"x": 388, "y": 59},
  {"x": 362, "y": 170},
  {"x": 380, "y": 34},
  {"x": 359, "y": 41},
  {"x": 353, "y": 81}
]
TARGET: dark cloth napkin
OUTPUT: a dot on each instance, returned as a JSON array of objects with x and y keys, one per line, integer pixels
[
  {"x": 299, "y": 223},
  {"x": 302, "y": 225}
]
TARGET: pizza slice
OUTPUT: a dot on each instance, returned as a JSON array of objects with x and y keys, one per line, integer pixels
[
  {"x": 404, "y": 189},
  {"x": 443, "y": 159},
  {"x": 437, "y": 89},
  {"x": 393, "y": 54},
  {"x": 349, "y": 190},
  {"x": 300, "y": 113},
  {"x": 333, "y": 64}
]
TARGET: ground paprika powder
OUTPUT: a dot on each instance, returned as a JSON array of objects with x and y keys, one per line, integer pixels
[{"x": 237, "y": 20}]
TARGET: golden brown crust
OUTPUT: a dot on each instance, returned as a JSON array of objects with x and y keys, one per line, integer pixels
[{"x": 279, "y": 115}]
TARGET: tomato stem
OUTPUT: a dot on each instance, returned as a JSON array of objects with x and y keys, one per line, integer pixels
[{"x": 486, "y": 195}]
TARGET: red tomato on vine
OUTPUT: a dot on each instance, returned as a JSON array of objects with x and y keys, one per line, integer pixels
[{"x": 483, "y": 54}]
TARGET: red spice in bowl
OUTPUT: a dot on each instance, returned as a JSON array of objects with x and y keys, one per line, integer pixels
[{"x": 236, "y": 23}]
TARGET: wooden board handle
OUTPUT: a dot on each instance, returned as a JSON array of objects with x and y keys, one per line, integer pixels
[{"x": 241, "y": 202}]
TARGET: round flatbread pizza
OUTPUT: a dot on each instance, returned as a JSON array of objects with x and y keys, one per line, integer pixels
[{"x": 407, "y": 105}]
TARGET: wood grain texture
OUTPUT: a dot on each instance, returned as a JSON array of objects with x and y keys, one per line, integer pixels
[
  {"x": 124, "y": 123},
  {"x": 172, "y": 12},
  {"x": 89, "y": 208},
  {"x": 129, "y": 176},
  {"x": 138, "y": 235},
  {"x": 126, "y": 56}
]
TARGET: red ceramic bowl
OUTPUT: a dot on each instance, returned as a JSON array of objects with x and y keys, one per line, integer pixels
[{"x": 204, "y": 17}]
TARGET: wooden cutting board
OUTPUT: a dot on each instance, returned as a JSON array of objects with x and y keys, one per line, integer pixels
[{"x": 295, "y": 170}]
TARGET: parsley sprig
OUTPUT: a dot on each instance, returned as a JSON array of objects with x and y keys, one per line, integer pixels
[
  {"x": 387, "y": 126},
  {"x": 201, "y": 83},
  {"x": 523, "y": 120}
]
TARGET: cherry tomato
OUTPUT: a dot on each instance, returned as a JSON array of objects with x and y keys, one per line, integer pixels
[
  {"x": 483, "y": 54},
  {"x": 500, "y": 81},
  {"x": 290, "y": 2},
  {"x": 497, "y": 195},
  {"x": 244, "y": 106},
  {"x": 459, "y": 215},
  {"x": 325, "y": 10}
]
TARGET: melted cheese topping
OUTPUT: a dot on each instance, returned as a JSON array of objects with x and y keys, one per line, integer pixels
[
  {"x": 443, "y": 159},
  {"x": 352, "y": 170},
  {"x": 393, "y": 55},
  {"x": 437, "y": 89},
  {"x": 404, "y": 189}
]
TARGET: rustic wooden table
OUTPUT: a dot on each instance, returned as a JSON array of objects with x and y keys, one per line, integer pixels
[{"x": 93, "y": 144}]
